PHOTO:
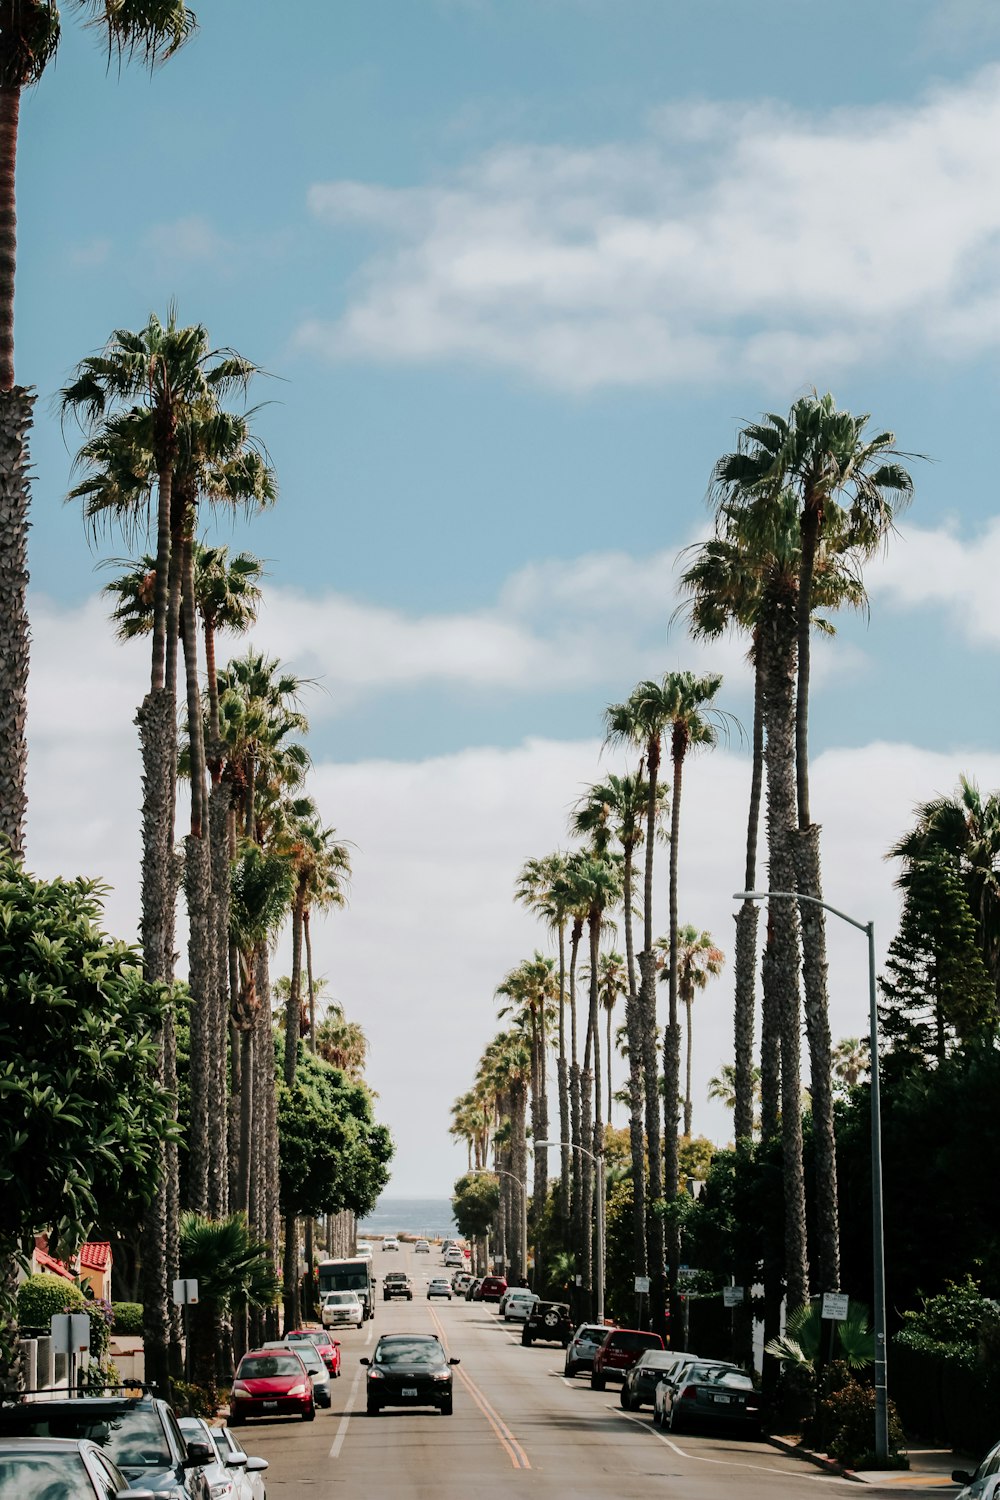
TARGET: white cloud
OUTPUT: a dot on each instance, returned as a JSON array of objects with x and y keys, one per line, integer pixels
[
  {"x": 939, "y": 567},
  {"x": 732, "y": 240},
  {"x": 191, "y": 238}
]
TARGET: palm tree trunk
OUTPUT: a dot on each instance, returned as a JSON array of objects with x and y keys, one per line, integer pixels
[
  {"x": 672, "y": 1036},
  {"x": 195, "y": 713},
  {"x": 610, "y": 1041},
  {"x": 688, "y": 1006},
  {"x": 563, "y": 1083},
  {"x": 172, "y": 1197},
  {"x": 310, "y": 982},
  {"x": 290, "y": 1274},
  {"x": 15, "y": 423},
  {"x": 594, "y": 1027},
  {"x": 293, "y": 1014},
  {"x": 161, "y": 593},
  {"x": 218, "y": 1099},
  {"x": 201, "y": 982},
  {"x": 10, "y": 109},
  {"x": 214, "y": 725},
  {"x": 574, "y": 1088},
  {"x": 745, "y": 961},
  {"x": 633, "y": 1032},
  {"x": 657, "y": 1247}
]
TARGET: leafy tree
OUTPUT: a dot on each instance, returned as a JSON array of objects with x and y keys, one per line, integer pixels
[
  {"x": 234, "y": 1270},
  {"x": 475, "y": 1203}
]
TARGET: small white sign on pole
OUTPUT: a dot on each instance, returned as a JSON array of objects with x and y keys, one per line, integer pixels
[
  {"x": 642, "y": 1284},
  {"x": 70, "y": 1333},
  {"x": 185, "y": 1292},
  {"x": 835, "y": 1306},
  {"x": 732, "y": 1296}
]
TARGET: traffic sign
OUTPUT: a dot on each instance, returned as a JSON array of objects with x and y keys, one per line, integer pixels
[
  {"x": 642, "y": 1284},
  {"x": 732, "y": 1296},
  {"x": 835, "y": 1305},
  {"x": 185, "y": 1292}
]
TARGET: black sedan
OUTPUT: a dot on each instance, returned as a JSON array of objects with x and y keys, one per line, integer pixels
[
  {"x": 639, "y": 1385},
  {"x": 709, "y": 1396},
  {"x": 409, "y": 1369}
]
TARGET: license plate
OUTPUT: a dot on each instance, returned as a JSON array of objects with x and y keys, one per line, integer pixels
[
  {"x": 722, "y": 1400},
  {"x": 268, "y": 1405},
  {"x": 408, "y": 1390}
]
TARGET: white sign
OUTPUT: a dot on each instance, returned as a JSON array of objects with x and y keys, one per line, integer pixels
[
  {"x": 732, "y": 1296},
  {"x": 70, "y": 1333},
  {"x": 185, "y": 1292},
  {"x": 835, "y": 1305},
  {"x": 642, "y": 1284}
]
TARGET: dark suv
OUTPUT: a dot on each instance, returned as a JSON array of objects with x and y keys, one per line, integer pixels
[
  {"x": 138, "y": 1433},
  {"x": 396, "y": 1284},
  {"x": 548, "y": 1321},
  {"x": 619, "y": 1352}
]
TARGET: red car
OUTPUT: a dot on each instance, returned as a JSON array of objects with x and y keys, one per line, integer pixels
[
  {"x": 619, "y": 1352},
  {"x": 271, "y": 1383},
  {"x": 490, "y": 1289},
  {"x": 327, "y": 1348}
]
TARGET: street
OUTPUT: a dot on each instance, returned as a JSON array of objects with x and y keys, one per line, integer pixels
[{"x": 518, "y": 1423}]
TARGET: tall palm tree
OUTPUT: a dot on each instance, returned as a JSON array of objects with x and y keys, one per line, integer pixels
[
  {"x": 227, "y": 596},
  {"x": 342, "y": 1043},
  {"x": 698, "y": 960},
  {"x": 851, "y": 483},
  {"x": 29, "y": 39},
  {"x": 531, "y": 990},
  {"x": 612, "y": 984}
]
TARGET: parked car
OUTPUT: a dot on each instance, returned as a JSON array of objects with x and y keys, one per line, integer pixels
[
  {"x": 422, "y": 1247},
  {"x": 390, "y": 1243},
  {"x": 341, "y": 1307},
  {"x": 474, "y": 1284},
  {"x": 234, "y": 1475},
  {"x": 396, "y": 1284},
  {"x": 309, "y": 1355},
  {"x": 139, "y": 1434},
  {"x": 329, "y": 1348},
  {"x": 490, "y": 1289},
  {"x": 461, "y": 1282},
  {"x": 548, "y": 1322},
  {"x": 984, "y": 1482},
  {"x": 639, "y": 1386},
  {"x": 62, "y": 1466},
  {"x": 582, "y": 1347},
  {"x": 409, "y": 1369},
  {"x": 707, "y": 1395},
  {"x": 619, "y": 1352},
  {"x": 271, "y": 1383},
  {"x": 516, "y": 1303},
  {"x": 454, "y": 1256},
  {"x": 439, "y": 1286},
  {"x": 682, "y": 1360}
]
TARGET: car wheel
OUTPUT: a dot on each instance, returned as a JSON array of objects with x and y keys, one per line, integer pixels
[
  {"x": 551, "y": 1320},
  {"x": 309, "y": 1415},
  {"x": 373, "y": 1408},
  {"x": 526, "y": 1339},
  {"x": 673, "y": 1424},
  {"x": 596, "y": 1382},
  {"x": 361, "y": 1324},
  {"x": 623, "y": 1400},
  {"x": 234, "y": 1421},
  {"x": 446, "y": 1408}
]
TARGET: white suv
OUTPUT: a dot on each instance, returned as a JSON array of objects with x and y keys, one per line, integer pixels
[
  {"x": 341, "y": 1307},
  {"x": 390, "y": 1243}
]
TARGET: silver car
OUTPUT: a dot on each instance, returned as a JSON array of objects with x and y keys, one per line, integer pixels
[
  {"x": 311, "y": 1358},
  {"x": 582, "y": 1347},
  {"x": 234, "y": 1475},
  {"x": 984, "y": 1484}
]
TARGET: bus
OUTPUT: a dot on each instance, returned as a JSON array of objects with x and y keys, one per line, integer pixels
[{"x": 351, "y": 1275}]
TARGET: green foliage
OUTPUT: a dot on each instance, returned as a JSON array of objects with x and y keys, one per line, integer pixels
[
  {"x": 956, "y": 1318},
  {"x": 695, "y": 1156},
  {"x": 474, "y": 1204},
  {"x": 848, "y": 1415},
  {"x": 804, "y": 1337},
  {"x": 191, "y": 1400},
  {"x": 232, "y": 1268},
  {"x": 332, "y": 1153},
  {"x": 81, "y": 1115},
  {"x": 127, "y": 1318},
  {"x": 41, "y": 1296}
]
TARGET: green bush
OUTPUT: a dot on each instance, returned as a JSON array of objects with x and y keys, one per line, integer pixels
[
  {"x": 193, "y": 1400},
  {"x": 848, "y": 1415},
  {"x": 43, "y": 1295},
  {"x": 127, "y": 1318}
]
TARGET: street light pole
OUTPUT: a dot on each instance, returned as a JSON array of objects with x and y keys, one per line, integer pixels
[
  {"x": 601, "y": 1208},
  {"x": 502, "y": 1172},
  {"x": 878, "y": 1229}
]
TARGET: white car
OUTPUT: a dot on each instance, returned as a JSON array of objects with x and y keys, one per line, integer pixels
[
  {"x": 340, "y": 1308},
  {"x": 364, "y": 1250},
  {"x": 984, "y": 1484},
  {"x": 439, "y": 1286},
  {"x": 390, "y": 1243},
  {"x": 234, "y": 1472},
  {"x": 516, "y": 1303},
  {"x": 453, "y": 1256},
  {"x": 422, "y": 1247}
]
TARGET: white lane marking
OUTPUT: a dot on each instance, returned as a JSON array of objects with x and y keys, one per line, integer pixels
[
  {"x": 338, "y": 1441},
  {"x": 725, "y": 1463},
  {"x": 370, "y": 1333}
]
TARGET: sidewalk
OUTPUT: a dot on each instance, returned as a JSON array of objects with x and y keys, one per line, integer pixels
[{"x": 930, "y": 1468}]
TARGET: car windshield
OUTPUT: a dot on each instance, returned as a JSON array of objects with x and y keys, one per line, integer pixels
[
  {"x": 267, "y": 1366},
  {"x": 56, "y": 1476},
  {"x": 634, "y": 1341},
  {"x": 656, "y": 1359},
  {"x": 341, "y": 1299},
  {"x": 409, "y": 1352},
  {"x": 309, "y": 1357}
]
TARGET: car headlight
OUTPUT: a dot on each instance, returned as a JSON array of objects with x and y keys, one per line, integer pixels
[
  {"x": 220, "y": 1490},
  {"x": 445, "y": 1376},
  {"x": 298, "y": 1390}
]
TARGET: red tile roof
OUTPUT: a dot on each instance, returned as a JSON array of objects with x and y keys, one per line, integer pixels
[
  {"x": 48, "y": 1262},
  {"x": 95, "y": 1256}
]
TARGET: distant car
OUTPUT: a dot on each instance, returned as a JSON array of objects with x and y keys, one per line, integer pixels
[
  {"x": 439, "y": 1286},
  {"x": 390, "y": 1243},
  {"x": 619, "y": 1352},
  {"x": 341, "y": 1307},
  {"x": 329, "y": 1348},
  {"x": 707, "y": 1395},
  {"x": 364, "y": 1250},
  {"x": 582, "y": 1347},
  {"x": 234, "y": 1474},
  {"x": 549, "y": 1323},
  {"x": 490, "y": 1289},
  {"x": 422, "y": 1247},
  {"x": 639, "y": 1386},
  {"x": 516, "y": 1303},
  {"x": 984, "y": 1483},
  {"x": 671, "y": 1377},
  {"x": 461, "y": 1282},
  {"x": 310, "y": 1357},
  {"x": 453, "y": 1256},
  {"x": 271, "y": 1383},
  {"x": 62, "y": 1466},
  {"x": 409, "y": 1369},
  {"x": 139, "y": 1434},
  {"x": 396, "y": 1284}
]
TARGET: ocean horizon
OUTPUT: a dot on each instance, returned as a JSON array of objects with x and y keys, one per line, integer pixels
[{"x": 398, "y": 1215}]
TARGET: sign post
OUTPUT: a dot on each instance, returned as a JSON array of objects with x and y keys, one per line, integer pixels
[
  {"x": 71, "y": 1336},
  {"x": 642, "y": 1287},
  {"x": 185, "y": 1296}
]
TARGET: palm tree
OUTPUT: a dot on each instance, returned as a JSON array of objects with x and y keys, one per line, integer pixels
[
  {"x": 723, "y": 1087},
  {"x": 531, "y": 989},
  {"x": 234, "y": 1271},
  {"x": 331, "y": 873},
  {"x": 698, "y": 960},
  {"x": 29, "y": 39},
  {"x": 341, "y": 1042},
  {"x": 612, "y": 983},
  {"x": 826, "y": 459},
  {"x": 851, "y": 1060}
]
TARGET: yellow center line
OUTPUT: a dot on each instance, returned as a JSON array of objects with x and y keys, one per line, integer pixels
[{"x": 504, "y": 1436}]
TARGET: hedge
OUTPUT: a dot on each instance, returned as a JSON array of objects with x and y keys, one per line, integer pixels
[
  {"x": 128, "y": 1318},
  {"x": 41, "y": 1296}
]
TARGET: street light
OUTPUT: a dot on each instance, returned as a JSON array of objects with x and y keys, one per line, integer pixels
[
  {"x": 599, "y": 1162},
  {"x": 878, "y": 1233},
  {"x": 502, "y": 1172}
]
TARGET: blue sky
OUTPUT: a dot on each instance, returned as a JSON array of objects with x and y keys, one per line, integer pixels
[{"x": 519, "y": 268}]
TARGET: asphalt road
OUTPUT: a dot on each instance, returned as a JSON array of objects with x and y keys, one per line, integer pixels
[{"x": 518, "y": 1427}]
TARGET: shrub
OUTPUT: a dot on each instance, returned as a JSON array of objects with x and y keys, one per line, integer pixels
[
  {"x": 43, "y": 1295},
  {"x": 193, "y": 1400},
  {"x": 127, "y": 1318},
  {"x": 848, "y": 1415}
]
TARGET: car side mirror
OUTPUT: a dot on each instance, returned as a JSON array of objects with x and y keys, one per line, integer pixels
[
  {"x": 236, "y": 1460},
  {"x": 961, "y": 1476},
  {"x": 364, "y": 1360},
  {"x": 256, "y": 1465},
  {"x": 197, "y": 1453},
  {"x": 454, "y": 1361}
]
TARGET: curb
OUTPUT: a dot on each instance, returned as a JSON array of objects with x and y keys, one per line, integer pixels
[{"x": 819, "y": 1460}]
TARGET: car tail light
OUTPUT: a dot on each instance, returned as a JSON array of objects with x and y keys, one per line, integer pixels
[{"x": 689, "y": 1393}]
